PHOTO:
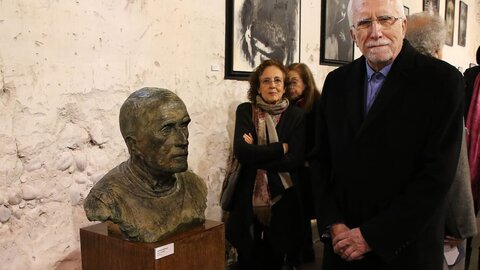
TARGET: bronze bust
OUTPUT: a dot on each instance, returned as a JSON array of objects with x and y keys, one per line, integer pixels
[{"x": 151, "y": 195}]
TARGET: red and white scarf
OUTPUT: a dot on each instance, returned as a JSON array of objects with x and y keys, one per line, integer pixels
[{"x": 268, "y": 116}]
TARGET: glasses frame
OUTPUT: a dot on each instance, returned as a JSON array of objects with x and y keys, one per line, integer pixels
[{"x": 384, "y": 18}]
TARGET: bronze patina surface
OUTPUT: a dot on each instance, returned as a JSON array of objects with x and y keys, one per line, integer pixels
[{"x": 153, "y": 194}]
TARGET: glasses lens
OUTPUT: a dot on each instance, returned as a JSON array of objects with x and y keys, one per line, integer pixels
[
  {"x": 364, "y": 24},
  {"x": 385, "y": 21},
  {"x": 276, "y": 81}
]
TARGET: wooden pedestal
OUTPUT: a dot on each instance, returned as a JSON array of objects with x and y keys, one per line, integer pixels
[{"x": 202, "y": 248}]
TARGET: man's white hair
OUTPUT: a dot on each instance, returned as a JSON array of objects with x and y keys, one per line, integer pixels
[{"x": 398, "y": 4}]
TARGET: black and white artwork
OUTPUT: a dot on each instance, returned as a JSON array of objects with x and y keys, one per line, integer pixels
[
  {"x": 431, "y": 5},
  {"x": 258, "y": 30},
  {"x": 449, "y": 21},
  {"x": 336, "y": 42},
  {"x": 462, "y": 24}
]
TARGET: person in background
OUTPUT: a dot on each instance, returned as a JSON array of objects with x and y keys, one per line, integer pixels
[
  {"x": 426, "y": 33},
  {"x": 265, "y": 221},
  {"x": 303, "y": 92},
  {"x": 472, "y": 116},
  {"x": 390, "y": 137},
  {"x": 470, "y": 75}
]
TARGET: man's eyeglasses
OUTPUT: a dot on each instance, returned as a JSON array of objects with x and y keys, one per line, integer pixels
[{"x": 385, "y": 21}]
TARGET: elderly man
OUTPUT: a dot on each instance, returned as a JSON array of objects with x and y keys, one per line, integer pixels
[
  {"x": 151, "y": 195},
  {"x": 390, "y": 134},
  {"x": 426, "y": 32}
]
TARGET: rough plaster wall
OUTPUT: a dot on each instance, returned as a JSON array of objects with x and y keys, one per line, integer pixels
[{"x": 65, "y": 69}]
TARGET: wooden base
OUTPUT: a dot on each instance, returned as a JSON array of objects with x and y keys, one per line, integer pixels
[{"x": 202, "y": 248}]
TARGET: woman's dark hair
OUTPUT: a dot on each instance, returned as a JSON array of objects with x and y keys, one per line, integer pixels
[
  {"x": 254, "y": 79},
  {"x": 311, "y": 91}
]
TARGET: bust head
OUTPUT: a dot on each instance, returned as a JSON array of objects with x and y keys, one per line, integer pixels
[
  {"x": 152, "y": 195},
  {"x": 154, "y": 124}
]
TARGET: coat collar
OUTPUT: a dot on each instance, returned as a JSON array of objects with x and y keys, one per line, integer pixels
[{"x": 395, "y": 81}]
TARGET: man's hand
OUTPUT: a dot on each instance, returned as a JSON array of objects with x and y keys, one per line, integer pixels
[
  {"x": 350, "y": 245},
  {"x": 338, "y": 228}
]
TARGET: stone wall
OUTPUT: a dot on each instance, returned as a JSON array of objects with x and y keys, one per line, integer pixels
[{"x": 65, "y": 69}]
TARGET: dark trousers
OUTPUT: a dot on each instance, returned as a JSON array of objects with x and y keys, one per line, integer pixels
[
  {"x": 264, "y": 255},
  {"x": 306, "y": 252}
]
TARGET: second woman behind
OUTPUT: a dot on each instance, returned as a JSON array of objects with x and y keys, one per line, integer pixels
[
  {"x": 303, "y": 92},
  {"x": 264, "y": 224}
]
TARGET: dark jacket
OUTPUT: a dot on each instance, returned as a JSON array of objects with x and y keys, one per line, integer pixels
[
  {"x": 285, "y": 213},
  {"x": 388, "y": 172},
  {"x": 311, "y": 149}
]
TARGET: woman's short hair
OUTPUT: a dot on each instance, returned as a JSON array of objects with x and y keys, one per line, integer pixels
[{"x": 254, "y": 79}]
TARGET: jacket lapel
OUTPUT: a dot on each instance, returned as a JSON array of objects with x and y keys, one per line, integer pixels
[
  {"x": 354, "y": 97},
  {"x": 392, "y": 86}
]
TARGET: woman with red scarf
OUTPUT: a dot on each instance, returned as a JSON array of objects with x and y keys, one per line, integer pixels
[{"x": 264, "y": 223}]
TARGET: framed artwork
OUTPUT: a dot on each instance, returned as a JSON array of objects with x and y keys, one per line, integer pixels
[
  {"x": 449, "y": 21},
  {"x": 462, "y": 24},
  {"x": 406, "y": 10},
  {"x": 431, "y": 5},
  {"x": 257, "y": 30},
  {"x": 336, "y": 44}
]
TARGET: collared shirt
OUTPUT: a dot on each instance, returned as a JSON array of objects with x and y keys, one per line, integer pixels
[{"x": 374, "y": 83}]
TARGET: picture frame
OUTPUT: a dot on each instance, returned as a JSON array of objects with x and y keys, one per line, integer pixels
[
  {"x": 406, "y": 10},
  {"x": 449, "y": 21},
  {"x": 257, "y": 30},
  {"x": 433, "y": 5},
  {"x": 336, "y": 44},
  {"x": 462, "y": 24}
]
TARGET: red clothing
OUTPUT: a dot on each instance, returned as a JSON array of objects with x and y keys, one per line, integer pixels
[{"x": 473, "y": 139}]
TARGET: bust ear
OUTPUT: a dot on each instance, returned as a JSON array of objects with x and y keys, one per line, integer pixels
[{"x": 131, "y": 142}]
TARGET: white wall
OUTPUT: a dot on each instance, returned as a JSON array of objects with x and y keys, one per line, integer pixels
[{"x": 65, "y": 69}]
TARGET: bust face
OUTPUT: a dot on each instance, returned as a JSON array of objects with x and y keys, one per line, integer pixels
[{"x": 162, "y": 137}]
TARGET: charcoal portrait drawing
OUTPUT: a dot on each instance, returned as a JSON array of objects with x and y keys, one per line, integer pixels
[
  {"x": 449, "y": 21},
  {"x": 336, "y": 41},
  {"x": 431, "y": 5},
  {"x": 265, "y": 29},
  {"x": 462, "y": 24}
]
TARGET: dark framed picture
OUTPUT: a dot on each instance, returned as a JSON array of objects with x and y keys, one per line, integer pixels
[
  {"x": 431, "y": 5},
  {"x": 406, "y": 10},
  {"x": 257, "y": 30},
  {"x": 462, "y": 24},
  {"x": 336, "y": 44},
  {"x": 449, "y": 21}
]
